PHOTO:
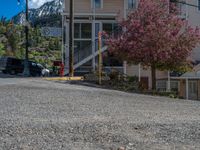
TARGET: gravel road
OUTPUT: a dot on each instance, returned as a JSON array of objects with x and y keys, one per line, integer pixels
[{"x": 44, "y": 115}]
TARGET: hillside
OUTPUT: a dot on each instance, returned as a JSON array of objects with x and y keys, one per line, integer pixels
[{"x": 48, "y": 14}]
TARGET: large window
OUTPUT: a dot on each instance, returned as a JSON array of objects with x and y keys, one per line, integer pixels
[
  {"x": 112, "y": 28},
  {"x": 131, "y": 4},
  {"x": 82, "y": 48},
  {"x": 83, "y": 30},
  {"x": 82, "y": 40},
  {"x": 97, "y": 3}
]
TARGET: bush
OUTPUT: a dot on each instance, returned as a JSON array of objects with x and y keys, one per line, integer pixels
[
  {"x": 171, "y": 94},
  {"x": 133, "y": 79}
]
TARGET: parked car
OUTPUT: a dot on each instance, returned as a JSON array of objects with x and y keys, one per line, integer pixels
[
  {"x": 15, "y": 66},
  {"x": 11, "y": 65},
  {"x": 37, "y": 69}
]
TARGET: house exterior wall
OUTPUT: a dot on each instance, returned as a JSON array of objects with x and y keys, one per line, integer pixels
[
  {"x": 198, "y": 89},
  {"x": 193, "y": 13},
  {"x": 182, "y": 91},
  {"x": 109, "y": 7},
  {"x": 193, "y": 18},
  {"x": 84, "y": 13}
]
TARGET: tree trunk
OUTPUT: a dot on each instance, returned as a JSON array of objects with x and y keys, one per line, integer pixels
[{"x": 153, "y": 76}]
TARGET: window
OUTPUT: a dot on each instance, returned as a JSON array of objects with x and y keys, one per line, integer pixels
[
  {"x": 108, "y": 27},
  {"x": 131, "y": 4},
  {"x": 86, "y": 30},
  {"x": 112, "y": 28},
  {"x": 82, "y": 49},
  {"x": 83, "y": 30},
  {"x": 77, "y": 32},
  {"x": 97, "y": 3},
  {"x": 82, "y": 41},
  {"x": 198, "y": 5}
]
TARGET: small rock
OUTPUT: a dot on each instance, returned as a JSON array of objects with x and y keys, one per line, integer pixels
[{"x": 121, "y": 148}]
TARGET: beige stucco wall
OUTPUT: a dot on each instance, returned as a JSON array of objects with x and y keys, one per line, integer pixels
[
  {"x": 194, "y": 20},
  {"x": 193, "y": 13},
  {"x": 109, "y": 6}
]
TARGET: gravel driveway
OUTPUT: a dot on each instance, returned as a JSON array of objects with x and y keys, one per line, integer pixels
[{"x": 45, "y": 115}]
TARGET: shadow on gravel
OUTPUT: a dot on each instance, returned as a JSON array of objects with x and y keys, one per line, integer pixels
[
  {"x": 2, "y": 75},
  {"x": 8, "y": 76}
]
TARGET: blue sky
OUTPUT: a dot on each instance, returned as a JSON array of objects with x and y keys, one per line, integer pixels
[{"x": 9, "y": 8}]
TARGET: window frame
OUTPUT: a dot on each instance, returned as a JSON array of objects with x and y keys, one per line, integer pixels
[
  {"x": 93, "y": 4},
  {"x": 132, "y": 4},
  {"x": 80, "y": 31}
]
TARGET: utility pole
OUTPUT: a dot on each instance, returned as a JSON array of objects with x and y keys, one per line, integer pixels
[
  {"x": 94, "y": 36},
  {"x": 100, "y": 57},
  {"x": 71, "y": 38},
  {"x": 26, "y": 64}
]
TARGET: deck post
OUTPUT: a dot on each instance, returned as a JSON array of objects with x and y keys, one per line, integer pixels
[{"x": 187, "y": 88}]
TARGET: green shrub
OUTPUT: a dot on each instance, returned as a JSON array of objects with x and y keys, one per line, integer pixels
[{"x": 167, "y": 94}]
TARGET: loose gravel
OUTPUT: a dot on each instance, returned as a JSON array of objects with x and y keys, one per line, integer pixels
[{"x": 45, "y": 115}]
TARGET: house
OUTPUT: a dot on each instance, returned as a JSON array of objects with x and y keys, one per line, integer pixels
[
  {"x": 189, "y": 84},
  {"x": 189, "y": 87},
  {"x": 92, "y": 16}
]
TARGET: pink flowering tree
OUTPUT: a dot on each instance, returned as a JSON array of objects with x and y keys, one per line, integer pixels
[{"x": 156, "y": 37}]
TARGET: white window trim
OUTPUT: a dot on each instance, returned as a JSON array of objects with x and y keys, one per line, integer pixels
[{"x": 92, "y": 5}]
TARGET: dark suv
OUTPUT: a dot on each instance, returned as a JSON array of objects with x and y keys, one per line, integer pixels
[
  {"x": 11, "y": 65},
  {"x": 15, "y": 66}
]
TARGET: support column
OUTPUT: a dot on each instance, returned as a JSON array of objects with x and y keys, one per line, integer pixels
[
  {"x": 93, "y": 46},
  {"x": 168, "y": 82},
  {"x": 93, "y": 35},
  {"x": 63, "y": 45},
  {"x": 66, "y": 45},
  {"x": 187, "y": 88},
  {"x": 125, "y": 67},
  {"x": 71, "y": 38},
  {"x": 139, "y": 72}
]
